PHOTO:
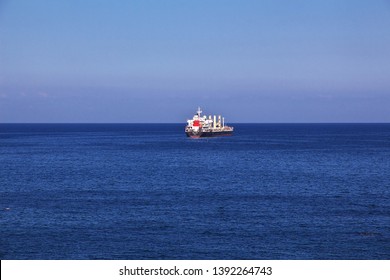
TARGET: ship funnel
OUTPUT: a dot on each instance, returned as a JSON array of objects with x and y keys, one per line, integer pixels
[{"x": 215, "y": 121}]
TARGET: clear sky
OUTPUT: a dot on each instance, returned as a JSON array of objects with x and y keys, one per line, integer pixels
[{"x": 157, "y": 61}]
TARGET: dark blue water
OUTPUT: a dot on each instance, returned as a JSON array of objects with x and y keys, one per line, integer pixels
[{"x": 128, "y": 191}]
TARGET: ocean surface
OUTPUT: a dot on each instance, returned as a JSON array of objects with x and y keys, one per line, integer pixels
[{"x": 132, "y": 191}]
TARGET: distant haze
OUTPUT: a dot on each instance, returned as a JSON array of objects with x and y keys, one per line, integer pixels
[{"x": 157, "y": 61}]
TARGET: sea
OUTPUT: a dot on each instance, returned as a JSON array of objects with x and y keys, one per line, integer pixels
[{"x": 146, "y": 191}]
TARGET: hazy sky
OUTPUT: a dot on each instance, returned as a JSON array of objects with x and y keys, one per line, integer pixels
[{"x": 157, "y": 61}]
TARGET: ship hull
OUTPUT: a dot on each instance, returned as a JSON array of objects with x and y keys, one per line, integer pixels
[{"x": 208, "y": 134}]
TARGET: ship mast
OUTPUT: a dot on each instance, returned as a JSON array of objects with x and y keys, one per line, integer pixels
[{"x": 199, "y": 112}]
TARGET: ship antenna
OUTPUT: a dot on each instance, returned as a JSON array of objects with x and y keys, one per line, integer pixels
[{"x": 199, "y": 111}]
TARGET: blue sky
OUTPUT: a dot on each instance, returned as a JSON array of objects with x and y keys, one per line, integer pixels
[{"x": 157, "y": 61}]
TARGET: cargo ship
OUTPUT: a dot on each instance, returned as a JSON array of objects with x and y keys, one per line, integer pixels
[{"x": 203, "y": 126}]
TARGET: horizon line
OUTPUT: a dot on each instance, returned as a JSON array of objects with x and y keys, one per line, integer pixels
[{"x": 183, "y": 123}]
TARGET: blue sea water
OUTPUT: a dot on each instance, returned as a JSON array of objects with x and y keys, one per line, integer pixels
[{"x": 132, "y": 191}]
